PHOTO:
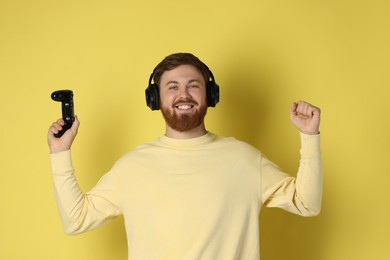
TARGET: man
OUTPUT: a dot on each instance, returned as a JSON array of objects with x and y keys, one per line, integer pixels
[{"x": 189, "y": 194}]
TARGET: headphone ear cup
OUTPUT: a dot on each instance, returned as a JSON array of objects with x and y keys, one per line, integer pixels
[
  {"x": 152, "y": 97},
  {"x": 212, "y": 93}
]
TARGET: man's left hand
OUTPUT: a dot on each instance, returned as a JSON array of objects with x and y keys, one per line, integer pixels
[{"x": 305, "y": 117}]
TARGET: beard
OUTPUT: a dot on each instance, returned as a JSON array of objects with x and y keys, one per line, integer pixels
[{"x": 184, "y": 122}]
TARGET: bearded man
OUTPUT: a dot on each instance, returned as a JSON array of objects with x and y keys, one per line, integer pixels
[{"x": 189, "y": 194}]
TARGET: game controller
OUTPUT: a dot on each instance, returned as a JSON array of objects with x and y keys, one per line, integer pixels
[{"x": 66, "y": 98}]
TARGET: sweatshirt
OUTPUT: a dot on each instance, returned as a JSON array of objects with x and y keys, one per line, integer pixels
[{"x": 190, "y": 199}]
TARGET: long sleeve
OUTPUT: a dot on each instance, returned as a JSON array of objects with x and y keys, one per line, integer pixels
[
  {"x": 301, "y": 195},
  {"x": 80, "y": 211}
]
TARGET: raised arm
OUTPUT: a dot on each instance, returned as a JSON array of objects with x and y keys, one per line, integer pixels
[
  {"x": 301, "y": 195},
  {"x": 79, "y": 211}
]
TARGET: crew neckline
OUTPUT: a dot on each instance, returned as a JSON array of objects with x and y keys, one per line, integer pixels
[{"x": 185, "y": 143}]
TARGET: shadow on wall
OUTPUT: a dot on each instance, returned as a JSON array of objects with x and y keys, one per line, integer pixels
[{"x": 248, "y": 95}]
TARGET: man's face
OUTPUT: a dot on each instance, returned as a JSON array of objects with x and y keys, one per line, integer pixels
[{"x": 183, "y": 98}]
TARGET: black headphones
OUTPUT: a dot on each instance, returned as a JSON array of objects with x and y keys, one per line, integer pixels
[{"x": 153, "y": 95}]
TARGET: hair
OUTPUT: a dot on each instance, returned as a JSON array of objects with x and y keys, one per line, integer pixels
[{"x": 177, "y": 59}]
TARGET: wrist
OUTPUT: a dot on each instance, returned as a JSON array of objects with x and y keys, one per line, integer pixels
[
  {"x": 310, "y": 132},
  {"x": 58, "y": 149}
]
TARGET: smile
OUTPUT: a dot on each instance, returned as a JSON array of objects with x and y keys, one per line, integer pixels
[{"x": 184, "y": 107}]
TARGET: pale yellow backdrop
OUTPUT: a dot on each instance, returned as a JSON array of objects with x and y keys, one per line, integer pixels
[{"x": 264, "y": 55}]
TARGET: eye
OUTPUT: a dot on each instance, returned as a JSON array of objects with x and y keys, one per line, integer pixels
[
  {"x": 172, "y": 87},
  {"x": 193, "y": 86}
]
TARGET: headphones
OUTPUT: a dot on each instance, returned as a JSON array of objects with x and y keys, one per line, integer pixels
[{"x": 152, "y": 93}]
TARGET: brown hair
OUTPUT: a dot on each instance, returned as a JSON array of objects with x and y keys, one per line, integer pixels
[{"x": 175, "y": 60}]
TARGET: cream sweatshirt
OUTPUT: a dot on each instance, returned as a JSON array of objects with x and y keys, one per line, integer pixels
[{"x": 190, "y": 199}]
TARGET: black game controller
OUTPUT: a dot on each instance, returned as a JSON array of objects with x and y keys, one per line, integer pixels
[{"x": 66, "y": 98}]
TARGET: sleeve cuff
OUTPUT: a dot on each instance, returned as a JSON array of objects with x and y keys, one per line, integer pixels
[
  {"x": 61, "y": 163},
  {"x": 310, "y": 145}
]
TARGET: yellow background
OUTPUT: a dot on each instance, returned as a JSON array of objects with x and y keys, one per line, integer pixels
[{"x": 264, "y": 55}]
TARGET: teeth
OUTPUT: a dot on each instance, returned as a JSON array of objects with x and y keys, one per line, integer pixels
[{"x": 184, "y": 107}]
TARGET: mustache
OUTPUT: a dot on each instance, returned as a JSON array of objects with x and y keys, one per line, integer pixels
[{"x": 185, "y": 101}]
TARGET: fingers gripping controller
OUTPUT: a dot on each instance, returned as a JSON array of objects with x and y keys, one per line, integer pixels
[{"x": 66, "y": 98}]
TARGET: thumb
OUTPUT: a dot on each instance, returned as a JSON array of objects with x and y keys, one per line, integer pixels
[
  {"x": 71, "y": 133},
  {"x": 75, "y": 125}
]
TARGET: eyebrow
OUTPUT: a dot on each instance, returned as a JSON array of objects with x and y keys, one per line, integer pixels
[{"x": 176, "y": 82}]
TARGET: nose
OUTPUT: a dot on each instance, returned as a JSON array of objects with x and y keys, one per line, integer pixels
[{"x": 184, "y": 93}]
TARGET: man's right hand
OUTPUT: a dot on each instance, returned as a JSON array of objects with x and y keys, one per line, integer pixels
[{"x": 63, "y": 143}]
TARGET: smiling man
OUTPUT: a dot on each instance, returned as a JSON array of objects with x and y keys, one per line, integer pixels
[
  {"x": 183, "y": 99},
  {"x": 189, "y": 194}
]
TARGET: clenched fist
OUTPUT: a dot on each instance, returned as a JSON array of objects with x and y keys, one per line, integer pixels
[{"x": 305, "y": 117}]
